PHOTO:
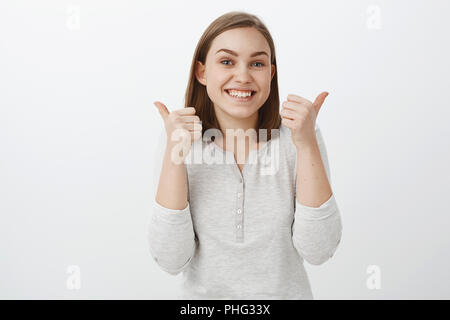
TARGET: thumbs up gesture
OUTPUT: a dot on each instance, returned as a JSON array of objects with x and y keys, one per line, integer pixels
[
  {"x": 299, "y": 115},
  {"x": 181, "y": 124}
]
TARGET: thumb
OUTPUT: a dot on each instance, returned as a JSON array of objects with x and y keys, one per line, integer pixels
[
  {"x": 319, "y": 101},
  {"x": 162, "y": 109}
]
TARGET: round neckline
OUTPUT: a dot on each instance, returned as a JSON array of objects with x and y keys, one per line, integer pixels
[
  {"x": 251, "y": 157},
  {"x": 260, "y": 150}
]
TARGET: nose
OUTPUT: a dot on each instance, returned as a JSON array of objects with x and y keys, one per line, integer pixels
[{"x": 243, "y": 74}]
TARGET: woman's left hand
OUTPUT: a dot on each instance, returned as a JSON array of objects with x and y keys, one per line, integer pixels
[{"x": 299, "y": 115}]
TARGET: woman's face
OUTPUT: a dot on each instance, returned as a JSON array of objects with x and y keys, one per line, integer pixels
[{"x": 238, "y": 59}]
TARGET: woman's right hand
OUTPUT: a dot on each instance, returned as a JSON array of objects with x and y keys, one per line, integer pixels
[{"x": 180, "y": 124}]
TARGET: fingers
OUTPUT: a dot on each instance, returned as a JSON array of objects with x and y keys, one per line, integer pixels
[
  {"x": 193, "y": 126},
  {"x": 195, "y": 135},
  {"x": 194, "y": 129},
  {"x": 186, "y": 111},
  {"x": 320, "y": 99},
  {"x": 288, "y": 113},
  {"x": 184, "y": 118},
  {"x": 289, "y": 123},
  {"x": 295, "y": 98},
  {"x": 290, "y": 105},
  {"x": 293, "y": 101},
  {"x": 163, "y": 111},
  {"x": 190, "y": 119}
]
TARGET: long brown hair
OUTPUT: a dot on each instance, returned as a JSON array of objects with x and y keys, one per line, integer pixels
[{"x": 196, "y": 94}]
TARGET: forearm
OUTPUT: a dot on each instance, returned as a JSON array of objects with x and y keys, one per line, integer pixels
[
  {"x": 172, "y": 186},
  {"x": 313, "y": 187}
]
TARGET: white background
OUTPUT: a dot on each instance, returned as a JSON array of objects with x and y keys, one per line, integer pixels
[{"x": 78, "y": 129}]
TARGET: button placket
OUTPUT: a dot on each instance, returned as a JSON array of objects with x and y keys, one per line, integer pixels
[{"x": 239, "y": 217}]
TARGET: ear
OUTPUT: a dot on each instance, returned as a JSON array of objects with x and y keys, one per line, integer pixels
[
  {"x": 273, "y": 71},
  {"x": 200, "y": 73}
]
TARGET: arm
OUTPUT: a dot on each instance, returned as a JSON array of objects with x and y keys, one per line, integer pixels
[
  {"x": 313, "y": 187},
  {"x": 172, "y": 187},
  {"x": 317, "y": 227},
  {"x": 170, "y": 231}
]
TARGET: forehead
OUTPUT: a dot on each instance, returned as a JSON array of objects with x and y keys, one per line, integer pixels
[{"x": 244, "y": 41}]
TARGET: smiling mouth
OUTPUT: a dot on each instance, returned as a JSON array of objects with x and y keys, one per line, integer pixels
[{"x": 237, "y": 98}]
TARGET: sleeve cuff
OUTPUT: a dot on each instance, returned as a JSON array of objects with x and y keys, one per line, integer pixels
[
  {"x": 328, "y": 208},
  {"x": 172, "y": 216}
]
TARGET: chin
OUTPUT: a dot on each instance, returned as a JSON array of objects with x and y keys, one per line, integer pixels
[
  {"x": 240, "y": 112},
  {"x": 236, "y": 110}
]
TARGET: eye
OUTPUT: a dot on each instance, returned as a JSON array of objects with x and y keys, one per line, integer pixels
[{"x": 260, "y": 63}]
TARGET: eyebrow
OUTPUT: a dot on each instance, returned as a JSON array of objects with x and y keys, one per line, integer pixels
[{"x": 235, "y": 54}]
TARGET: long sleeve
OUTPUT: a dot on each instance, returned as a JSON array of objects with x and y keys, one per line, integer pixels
[
  {"x": 171, "y": 234},
  {"x": 316, "y": 232}
]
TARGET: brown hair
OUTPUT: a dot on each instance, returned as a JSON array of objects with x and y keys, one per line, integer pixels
[{"x": 196, "y": 94}]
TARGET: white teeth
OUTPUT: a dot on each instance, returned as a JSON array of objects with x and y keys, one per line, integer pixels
[{"x": 239, "y": 94}]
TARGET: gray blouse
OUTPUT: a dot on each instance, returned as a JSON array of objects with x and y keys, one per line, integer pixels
[{"x": 243, "y": 235}]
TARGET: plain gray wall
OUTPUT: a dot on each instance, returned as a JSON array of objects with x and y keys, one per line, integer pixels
[{"x": 78, "y": 130}]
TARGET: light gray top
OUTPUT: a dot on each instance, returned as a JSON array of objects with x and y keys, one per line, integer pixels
[{"x": 243, "y": 236}]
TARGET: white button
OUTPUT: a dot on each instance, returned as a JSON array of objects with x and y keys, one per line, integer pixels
[
  {"x": 239, "y": 195},
  {"x": 239, "y": 211},
  {"x": 238, "y": 226}
]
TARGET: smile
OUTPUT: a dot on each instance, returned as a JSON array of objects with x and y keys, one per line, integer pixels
[{"x": 238, "y": 98}]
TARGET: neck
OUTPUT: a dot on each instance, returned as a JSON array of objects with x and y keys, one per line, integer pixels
[{"x": 231, "y": 123}]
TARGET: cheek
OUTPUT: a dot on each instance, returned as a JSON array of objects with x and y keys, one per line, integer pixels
[
  {"x": 264, "y": 85},
  {"x": 263, "y": 79},
  {"x": 217, "y": 75}
]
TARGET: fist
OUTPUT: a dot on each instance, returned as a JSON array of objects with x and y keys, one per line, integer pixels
[
  {"x": 181, "y": 124},
  {"x": 299, "y": 115}
]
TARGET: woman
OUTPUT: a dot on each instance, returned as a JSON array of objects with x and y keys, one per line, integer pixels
[{"x": 235, "y": 229}]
